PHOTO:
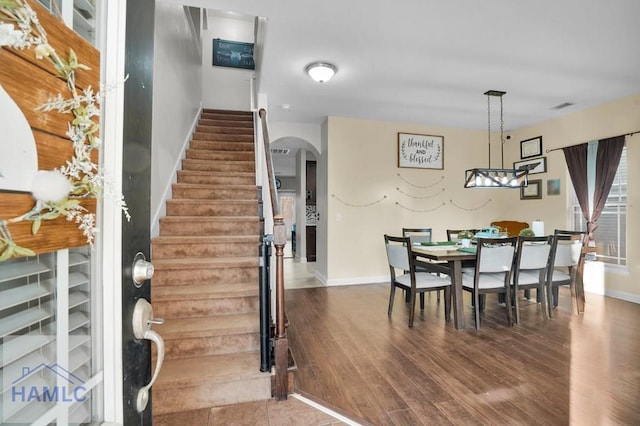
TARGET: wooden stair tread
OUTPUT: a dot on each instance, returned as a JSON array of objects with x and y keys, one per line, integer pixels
[
  {"x": 209, "y": 326},
  {"x": 184, "y": 219},
  {"x": 213, "y": 368},
  {"x": 214, "y": 201},
  {"x": 239, "y": 112},
  {"x": 194, "y": 263},
  {"x": 219, "y": 162},
  {"x": 209, "y": 185},
  {"x": 204, "y": 291},
  {"x": 206, "y": 239},
  {"x": 216, "y": 174}
]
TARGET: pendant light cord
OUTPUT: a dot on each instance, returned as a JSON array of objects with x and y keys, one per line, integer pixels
[
  {"x": 489, "y": 126},
  {"x": 501, "y": 134}
]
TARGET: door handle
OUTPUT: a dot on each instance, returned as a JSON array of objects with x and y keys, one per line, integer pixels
[{"x": 142, "y": 322}]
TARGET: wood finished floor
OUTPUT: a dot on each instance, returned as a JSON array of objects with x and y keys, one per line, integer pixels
[{"x": 570, "y": 370}]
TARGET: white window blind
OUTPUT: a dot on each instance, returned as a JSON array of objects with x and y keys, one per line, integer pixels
[{"x": 46, "y": 346}]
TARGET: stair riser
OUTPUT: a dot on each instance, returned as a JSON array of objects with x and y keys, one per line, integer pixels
[
  {"x": 222, "y": 146},
  {"x": 226, "y": 123},
  {"x": 215, "y": 193},
  {"x": 223, "y": 249},
  {"x": 202, "y": 307},
  {"x": 224, "y": 130},
  {"x": 210, "y": 395},
  {"x": 212, "y": 179},
  {"x": 204, "y": 154},
  {"x": 212, "y": 115},
  {"x": 214, "y": 345},
  {"x": 177, "y": 228},
  {"x": 210, "y": 275},
  {"x": 217, "y": 137},
  {"x": 208, "y": 208},
  {"x": 224, "y": 167}
]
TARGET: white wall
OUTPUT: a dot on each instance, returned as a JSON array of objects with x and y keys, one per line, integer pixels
[
  {"x": 225, "y": 88},
  {"x": 176, "y": 98},
  {"x": 368, "y": 195}
]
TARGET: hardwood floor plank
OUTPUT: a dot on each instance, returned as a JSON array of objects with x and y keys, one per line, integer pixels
[{"x": 567, "y": 370}]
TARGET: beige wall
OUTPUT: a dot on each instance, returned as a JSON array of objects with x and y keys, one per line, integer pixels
[{"x": 366, "y": 190}]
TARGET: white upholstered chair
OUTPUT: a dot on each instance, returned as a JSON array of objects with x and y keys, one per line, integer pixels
[
  {"x": 492, "y": 273},
  {"x": 530, "y": 269},
  {"x": 403, "y": 274}
]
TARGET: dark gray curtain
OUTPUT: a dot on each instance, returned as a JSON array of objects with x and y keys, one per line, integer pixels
[
  {"x": 609, "y": 153},
  {"x": 607, "y": 160},
  {"x": 576, "y": 158}
]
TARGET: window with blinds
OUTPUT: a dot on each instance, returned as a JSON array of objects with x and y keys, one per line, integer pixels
[
  {"x": 47, "y": 333},
  {"x": 84, "y": 16},
  {"x": 610, "y": 236}
]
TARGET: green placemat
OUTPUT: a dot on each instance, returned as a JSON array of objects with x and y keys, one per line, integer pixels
[
  {"x": 439, "y": 243},
  {"x": 468, "y": 249}
]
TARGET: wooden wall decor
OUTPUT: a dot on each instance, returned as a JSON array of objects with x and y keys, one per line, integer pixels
[{"x": 58, "y": 63}]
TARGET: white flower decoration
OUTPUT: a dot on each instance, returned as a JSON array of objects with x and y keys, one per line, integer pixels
[
  {"x": 43, "y": 50},
  {"x": 50, "y": 186},
  {"x": 9, "y": 36}
]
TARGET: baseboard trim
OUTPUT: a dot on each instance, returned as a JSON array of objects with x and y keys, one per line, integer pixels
[{"x": 356, "y": 281}]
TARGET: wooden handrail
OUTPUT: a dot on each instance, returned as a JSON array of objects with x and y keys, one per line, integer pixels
[
  {"x": 281, "y": 344},
  {"x": 275, "y": 204}
]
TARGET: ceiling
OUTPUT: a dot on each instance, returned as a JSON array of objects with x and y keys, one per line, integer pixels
[{"x": 430, "y": 61}]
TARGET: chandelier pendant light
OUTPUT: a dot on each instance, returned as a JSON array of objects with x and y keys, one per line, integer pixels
[{"x": 496, "y": 178}]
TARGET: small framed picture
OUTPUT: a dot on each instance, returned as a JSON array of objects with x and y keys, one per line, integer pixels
[
  {"x": 553, "y": 187},
  {"x": 537, "y": 165},
  {"x": 533, "y": 191},
  {"x": 531, "y": 147}
]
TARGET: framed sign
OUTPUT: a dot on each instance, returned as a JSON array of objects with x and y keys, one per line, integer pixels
[
  {"x": 233, "y": 54},
  {"x": 420, "y": 151},
  {"x": 533, "y": 191},
  {"x": 537, "y": 165},
  {"x": 531, "y": 147}
]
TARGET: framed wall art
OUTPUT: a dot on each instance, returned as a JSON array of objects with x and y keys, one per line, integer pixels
[
  {"x": 531, "y": 147},
  {"x": 233, "y": 54},
  {"x": 537, "y": 165},
  {"x": 420, "y": 151},
  {"x": 553, "y": 187},
  {"x": 533, "y": 191}
]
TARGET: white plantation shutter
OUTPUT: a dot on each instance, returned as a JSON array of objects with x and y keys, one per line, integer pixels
[{"x": 46, "y": 330}]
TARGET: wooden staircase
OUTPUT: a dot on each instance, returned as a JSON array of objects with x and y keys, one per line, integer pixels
[{"x": 206, "y": 273}]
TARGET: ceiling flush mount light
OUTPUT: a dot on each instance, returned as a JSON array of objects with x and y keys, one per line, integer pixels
[
  {"x": 495, "y": 178},
  {"x": 321, "y": 71}
]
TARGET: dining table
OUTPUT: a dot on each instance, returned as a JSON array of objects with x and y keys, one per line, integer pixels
[{"x": 446, "y": 259}]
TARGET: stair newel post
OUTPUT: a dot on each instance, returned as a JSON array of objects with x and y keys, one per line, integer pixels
[
  {"x": 281, "y": 343},
  {"x": 265, "y": 303}
]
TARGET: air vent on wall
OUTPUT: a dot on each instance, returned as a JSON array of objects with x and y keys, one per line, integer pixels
[
  {"x": 563, "y": 105},
  {"x": 280, "y": 151}
]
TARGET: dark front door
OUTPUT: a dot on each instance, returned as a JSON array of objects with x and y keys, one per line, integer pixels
[{"x": 136, "y": 188}]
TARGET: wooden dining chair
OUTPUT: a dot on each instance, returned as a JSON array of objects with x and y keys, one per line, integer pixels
[
  {"x": 492, "y": 273},
  {"x": 533, "y": 257},
  {"x": 566, "y": 258},
  {"x": 418, "y": 235},
  {"x": 452, "y": 234},
  {"x": 403, "y": 274}
]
